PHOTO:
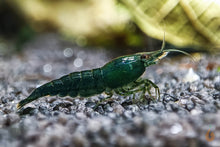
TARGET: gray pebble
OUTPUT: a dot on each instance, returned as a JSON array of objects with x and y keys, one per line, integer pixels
[
  {"x": 108, "y": 108},
  {"x": 117, "y": 108},
  {"x": 100, "y": 110},
  {"x": 156, "y": 107},
  {"x": 90, "y": 104},
  {"x": 128, "y": 114},
  {"x": 209, "y": 108},
  {"x": 217, "y": 86},
  {"x": 190, "y": 105}
]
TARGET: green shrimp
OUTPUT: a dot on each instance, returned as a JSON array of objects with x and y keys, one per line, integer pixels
[{"x": 121, "y": 75}]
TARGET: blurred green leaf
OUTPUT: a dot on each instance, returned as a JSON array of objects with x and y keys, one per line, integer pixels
[{"x": 186, "y": 22}]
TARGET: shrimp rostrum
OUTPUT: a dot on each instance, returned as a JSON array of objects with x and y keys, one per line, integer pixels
[{"x": 120, "y": 76}]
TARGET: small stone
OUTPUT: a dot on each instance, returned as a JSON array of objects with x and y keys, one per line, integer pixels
[
  {"x": 112, "y": 115},
  {"x": 209, "y": 108},
  {"x": 90, "y": 104},
  {"x": 108, "y": 108},
  {"x": 55, "y": 113},
  {"x": 217, "y": 86},
  {"x": 191, "y": 76},
  {"x": 174, "y": 107},
  {"x": 190, "y": 105},
  {"x": 156, "y": 107},
  {"x": 11, "y": 119},
  {"x": 51, "y": 100},
  {"x": 176, "y": 128},
  {"x": 4, "y": 100},
  {"x": 196, "y": 112},
  {"x": 182, "y": 93},
  {"x": 118, "y": 108},
  {"x": 128, "y": 114},
  {"x": 138, "y": 121},
  {"x": 6, "y": 110},
  {"x": 217, "y": 104},
  {"x": 216, "y": 95},
  {"x": 167, "y": 98},
  {"x": 126, "y": 103},
  {"x": 100, "y": 110},
  {"x": 80, "y": 115},
  {"x": 133, "y": 108},
  {"x": 94, "y": 125},
  {"x": 62, "y": 104},
  {"x": 44, "y": 110}
]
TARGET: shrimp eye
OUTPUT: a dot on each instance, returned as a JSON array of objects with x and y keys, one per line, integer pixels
[{"x": 144, "y": 56}]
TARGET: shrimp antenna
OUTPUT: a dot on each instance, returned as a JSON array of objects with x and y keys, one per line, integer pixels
[
  {"x": 175, "y": 50},
  {"x": 163, "y": 44}
]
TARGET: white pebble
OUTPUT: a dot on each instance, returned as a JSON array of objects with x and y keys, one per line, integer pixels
[
  {"x": 191, "y": 76},
  {"x": 176, "y": 128}
]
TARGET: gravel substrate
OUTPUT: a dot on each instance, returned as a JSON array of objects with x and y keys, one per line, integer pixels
[{"x": 188, "y": 109}]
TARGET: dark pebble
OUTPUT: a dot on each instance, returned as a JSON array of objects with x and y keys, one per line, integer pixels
[
  {"x": 182, "y": 93},
  {"x": 216, "y": 95},
  {"x": 217, "y": 104},
  {"x": 126, "y": 103},
  {"x": 100, "y": 110},
  {"x": 63, "y": 104},
  {"x": 108, "y": 108},
  {"x": 167, "y": 98},
  {"x": 4, "y": 100},
  {"x": 6, "y": 110},
  {"x": 44, "y": 110},
  {"x": 56, "y": 113},
  {"x": 90, "y": 104},
  {"x": 133, "y": 108}
]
